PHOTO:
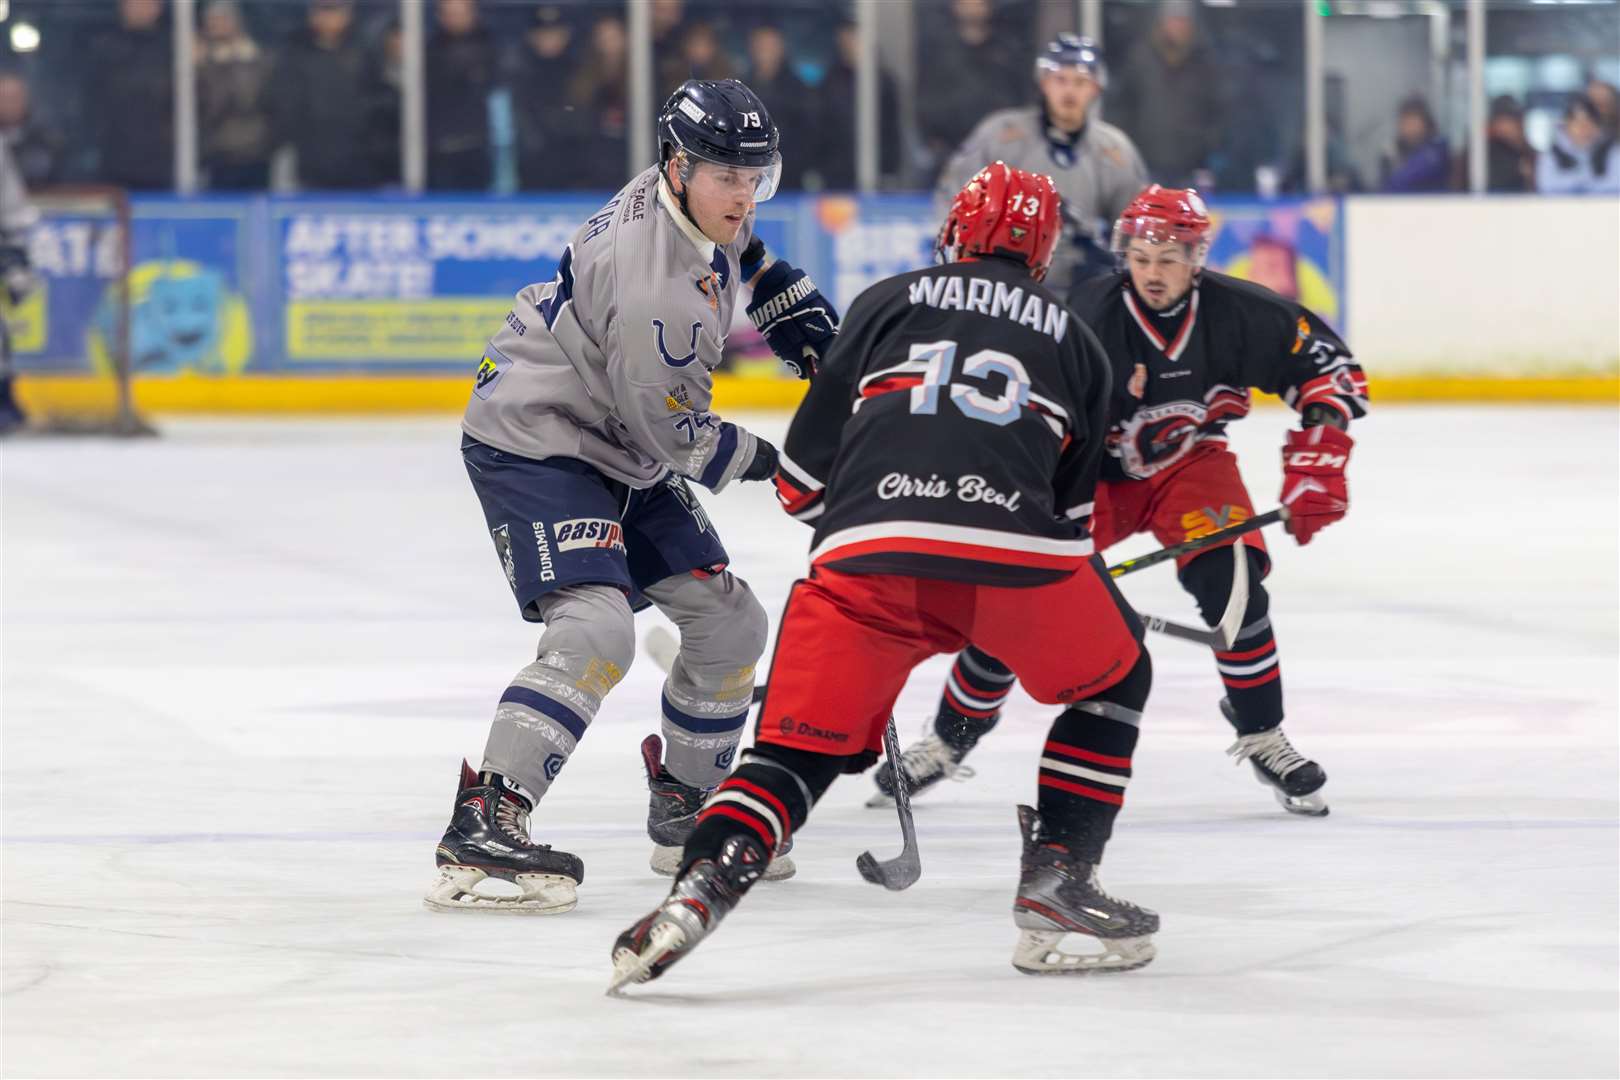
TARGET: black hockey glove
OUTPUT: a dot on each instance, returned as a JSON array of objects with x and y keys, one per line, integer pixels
[
  {"x": 763, "y": 467},
  {"x": 798, "y": 323}
]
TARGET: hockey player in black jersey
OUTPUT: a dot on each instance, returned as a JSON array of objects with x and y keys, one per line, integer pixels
[
  {"x": 1187, "y": 345},
  {"x": 947, "y": 456}
]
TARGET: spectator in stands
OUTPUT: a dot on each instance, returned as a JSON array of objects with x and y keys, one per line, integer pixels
[
  {"x": 36, "y": 148},
  {"x": 668, "y": 18},
  {"x": 1606, "y": 99},
  {"x": 701, "y": 55},
  {"x": 1510, "y": 162},
  {"x": 546, "y": 128},
  {"x": 1094, "y": 165},
  {"x": 1583, "y": 158},
  {"x": 787, "y": 97},
  {"x": 382, "y": 128},
  {"x": 971, "y": 72},
  {"x": 834, "y": 161},
  {"x": 462, "y": 65},
  {"x": 233, "y": 118},
  {"x": 1169, "y": 98},
  {"x": 329, "y": 101},
  {"x": 129, "y": 73},
  {"x": 601, "y": 91},
  {"x": 1420, "y": 160}
]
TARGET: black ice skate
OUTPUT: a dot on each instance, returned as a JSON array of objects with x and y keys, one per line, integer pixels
[
  {"x": 931, "y": 759},
  {"x": 488, "y": 837},
  {"x": 698, "y": 900},
  {"x": 672, "y": 809},
  {"x": 1295, "y": 779},
  {"x": 1057, "y": 895}
]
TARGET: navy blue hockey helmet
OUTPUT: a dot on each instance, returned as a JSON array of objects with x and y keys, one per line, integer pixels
[
  {"x": 1073, "y": 51},
  {"x": 724, "y": 122}
]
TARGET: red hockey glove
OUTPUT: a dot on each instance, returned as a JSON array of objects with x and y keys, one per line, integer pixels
[{"x": 1313, "y": 479}]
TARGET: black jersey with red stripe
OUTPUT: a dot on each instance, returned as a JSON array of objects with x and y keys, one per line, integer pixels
[
  {"x": 1180, "y": 376},
  {"x": 953, "y": 431}
]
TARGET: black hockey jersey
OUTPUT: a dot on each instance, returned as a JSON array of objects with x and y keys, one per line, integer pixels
[
  {"x": 1182, "y": 375},
  {"x": 954, "y": 431}
]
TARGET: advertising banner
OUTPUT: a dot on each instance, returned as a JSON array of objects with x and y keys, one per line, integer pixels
[{"x": 400, "y": 286}]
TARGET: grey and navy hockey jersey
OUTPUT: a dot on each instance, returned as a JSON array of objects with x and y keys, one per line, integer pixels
[{"x": 611, "y": 362}]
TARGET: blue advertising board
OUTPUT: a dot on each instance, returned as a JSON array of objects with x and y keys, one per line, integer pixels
[{"x": 393, "y": 285}]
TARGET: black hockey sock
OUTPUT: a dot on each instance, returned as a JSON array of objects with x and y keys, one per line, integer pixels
[
  {"x": 974, "y": 694},
  {"x": 768, "y": 797},
  {"x": 1249, "y": 669},
  {"x": 1086, "y": 764}
]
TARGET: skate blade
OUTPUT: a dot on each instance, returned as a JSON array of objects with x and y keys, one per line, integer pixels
[
  {"x": 1312, "y": 805},
  {"x": 1037, "y": 953},
  {"x": 666, "y": 861},
  {"x": 456, "y": 889},
  {"x": 629, "y": 967}
]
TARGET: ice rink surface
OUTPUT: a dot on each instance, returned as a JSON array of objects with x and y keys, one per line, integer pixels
[{"x": 242, "y": 662}]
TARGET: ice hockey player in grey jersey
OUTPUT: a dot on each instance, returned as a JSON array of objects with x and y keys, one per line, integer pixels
[
  {"x": 590, "y": 412},
  {"x": 1095, "y": 165}
]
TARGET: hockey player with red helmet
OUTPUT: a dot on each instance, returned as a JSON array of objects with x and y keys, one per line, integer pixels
[
  {"x": 946, "y": 455},
  {"x": 1187, "y": 346}
]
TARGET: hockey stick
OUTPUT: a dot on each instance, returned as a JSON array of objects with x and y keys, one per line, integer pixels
[
  {"x": 1225, "y": 631},
  {"x": 1199, "y": 543},
  {"x": 902, "y": 871},
  {"x": 662, "y": 646}
]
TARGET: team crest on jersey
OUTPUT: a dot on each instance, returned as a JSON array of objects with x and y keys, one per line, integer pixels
[
  {"x": 664, "y": 353},
  {"x": 588, "y": 533}
]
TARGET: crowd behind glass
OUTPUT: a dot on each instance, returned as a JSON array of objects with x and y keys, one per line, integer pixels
[{"x": 532, "y": 97}]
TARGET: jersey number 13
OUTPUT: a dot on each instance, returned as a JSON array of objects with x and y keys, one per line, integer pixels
[{"x": 974, "y": 403}]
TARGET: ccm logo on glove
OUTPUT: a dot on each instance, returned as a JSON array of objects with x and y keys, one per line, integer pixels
[
  {"x": 1325, "y": 459},
  {"x": 1314, "y": 488}
]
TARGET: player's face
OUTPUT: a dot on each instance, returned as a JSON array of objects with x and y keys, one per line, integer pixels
[
  {"x": 1069, "y": 93},
  {"x": 720, "y": 197},
  {"x": 1162, "y": 273}
]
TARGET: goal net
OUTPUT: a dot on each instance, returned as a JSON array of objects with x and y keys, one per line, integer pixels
[{"x": 70, "y": 338}]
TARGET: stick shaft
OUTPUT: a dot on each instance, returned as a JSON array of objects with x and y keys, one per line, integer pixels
[{"x": 1220, "y": 536}]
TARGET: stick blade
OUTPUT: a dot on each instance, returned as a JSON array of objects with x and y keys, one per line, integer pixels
[
  {"x": 1237, "y": 603},
  {"x": 896, "y": 874},
  {"x": 662, "y": 646}
]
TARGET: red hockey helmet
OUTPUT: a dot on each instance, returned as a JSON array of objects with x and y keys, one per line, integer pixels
[
  {"x": 1006, "y": 211},
  {"x": 1165, "y": 215}
]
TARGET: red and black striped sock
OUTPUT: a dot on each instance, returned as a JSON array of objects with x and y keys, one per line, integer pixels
[
  {"x": 975, "y": 691},
  {"x": 1253, "y": 678},
  {"x": 768, "y": 798},
  {"x": 1085, "y": 766}
]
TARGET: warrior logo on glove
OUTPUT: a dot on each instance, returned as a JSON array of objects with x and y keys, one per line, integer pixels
[{"x": 796, "y": 321}]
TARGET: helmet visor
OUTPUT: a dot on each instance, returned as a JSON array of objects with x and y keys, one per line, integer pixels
[
  {"x": 760, "y": 181},
  {"x": 1162, "y": 239}
]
